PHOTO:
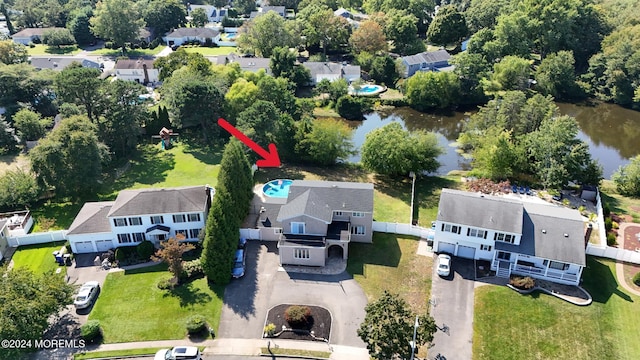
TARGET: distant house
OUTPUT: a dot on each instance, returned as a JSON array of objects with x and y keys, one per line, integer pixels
[
  {"x": 280, "y": 10},
  {"x": 145, "y": 34},
  {"x": 138, "y": 215},
  {"x": 252, "y": 64},
  {"x": 141, "y": 71},
  {"x": 331, "y": 71},
  {"x": 34, "y": 35},
  {"x": 527, "y": 238},
  {"x": 13, "y": 224},
  {"x": 342, "y": 12},
  {"x": 60, "y": 63},
  {"x": 214, "y": 14},
  {"x": 318, "y": 219},
  {"x": 426, "y": 61},
  {"x": 184, "y": 35}
]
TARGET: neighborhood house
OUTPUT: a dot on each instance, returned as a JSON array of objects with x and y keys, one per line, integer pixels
[
  {"x": 31, "y": 35},
  {"x": 138, "y": 215},
  {"x": 60, "y": 63},
  {"x": 331, "y": 71},
  {"x": 204, "y": 36},
  {"x": 540, "y": 240},
  {"x": 214, "y": 14},
  {"x": 140, "y": 71},
  {"x": 426, "y": 61}
]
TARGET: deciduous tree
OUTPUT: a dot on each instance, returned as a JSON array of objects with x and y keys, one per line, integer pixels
[
  {"x": 58, "y": 37},
  {"x": 30, "y": 125},
  {"x": 266, "y": 32},
  {"x": 18, "y": 189},
  {"x": 328, "y": 141},
  {"x": 432, "y": 90},
  {"x": 368, "y": 37},
  {"x": 78, "y": 24},
  {"x": 164, "y": 15},
  {"x": 384, "y": 71},
  {"x": 627, "y": 178},
  {"x": 448, "y": 27},
  {"x": 171, "y": 252},
  {"x": 117, "y": 20},
  {"x": 400, "y": 28},
  {"x": 556, "y": 76},
  {"x": 77, "y": 84},
  {"x": 511, "y": 73},
  {"x": 199, "y": 18},
  {"x": 12, "y": 52}
]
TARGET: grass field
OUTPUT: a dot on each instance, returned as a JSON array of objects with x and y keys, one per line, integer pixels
[
  {"x": 508, "y": 325},
  {"x": 132, "y": 53},
  {"x": 210, "y": 51},
  {"x": 619, "y": 204},
  {"x": 40, "y": 49},
  {"x": 37, "y": 258},
  {"x": 132, "y": 308},
  {"x": 115, "y": 353},
  {"x": 13, "y": 162}
]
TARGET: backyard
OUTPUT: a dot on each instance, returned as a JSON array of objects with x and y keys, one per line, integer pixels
[
  {"x": 40, "y": 49},
  {"x": 210, "y": 51},
  {"x": 38, "y": 258},
  {"x": 508, "y": 325},
  {"x": 132, "y": 308},
  {"x": 131, "y": 53}
]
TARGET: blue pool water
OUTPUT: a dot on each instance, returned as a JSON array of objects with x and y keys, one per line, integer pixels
[
  {"x": 231, "y": 36},
  {"x": 277, "y": 188},
  {"x": 368, "y": 89}
]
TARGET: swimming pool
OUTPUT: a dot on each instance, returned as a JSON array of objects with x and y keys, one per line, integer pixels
[
  {"x": 277, "y": 188},
  {"x": 368, "y": 89}
]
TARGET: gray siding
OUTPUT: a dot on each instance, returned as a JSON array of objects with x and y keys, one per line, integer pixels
[
  {"x": 316, "y": 255},
  {"x": 367, "y": 222},
  {"x": 311, "y": 226}
]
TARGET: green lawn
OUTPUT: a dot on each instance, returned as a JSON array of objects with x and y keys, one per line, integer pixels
[
  {"x": 115, "y": 353},
  {"x": 132, "y": 308},
  {"x": 508, "y": 325},
  {"x": 38, "y": 258},
  {"x": 132, "y": 53},
  {"x": 619, "y": 204},
  {"x": 40, "y": 49},
  {"x": 210, "y": 51},
  {"x": 296, "y": 353}
]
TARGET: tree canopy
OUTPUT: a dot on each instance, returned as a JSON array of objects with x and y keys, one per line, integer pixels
[
  {"x": 432, "y": 90},
  {"x": 448, "y": 27},
  {"x": 266, "y": 32},
  {"x": 328, "y": 142},
  {"x": 627, "y": 178},
  {"x": 116, "y": 20},
  {"x": 12, "y": 52},
  {"x": 164, "y": 15}
]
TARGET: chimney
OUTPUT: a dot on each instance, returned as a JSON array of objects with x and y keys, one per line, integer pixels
[{"x": 146, "y": 73}]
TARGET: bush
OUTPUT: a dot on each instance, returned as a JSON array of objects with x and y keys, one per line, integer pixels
[
  {"x": 91, "y": 331},
  {"x": 192, "y": 269},
  {"x": 615, "y": 225},
  {"x": 606, "y": 211},
  {"x": 167, "y": 284},
  {"x": 145, "y": 249},
  {"x": 636, "y": 279},
  {"x": 155, "y": 43},
  {"x": 523, "y": 283},
  {"x": 270, "y": 329},
  {"x": 350, "y": 107},
  {"x": 611, "y": 239},
  {"x": 297, "y": 316},
  {"x": 120, "y": 254},
  {"x": 108, "y": 45},
  {"x": 31, "y": 45},
  {"x": 67, "y": 246},
  {"x": 196, "y": 324},
  {"x": 608, "y": 224}
]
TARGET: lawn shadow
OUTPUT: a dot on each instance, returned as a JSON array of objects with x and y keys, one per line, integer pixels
[
  {"x": 61, "y": 50},
  {"x": 62, "y": 211},
  {"x": 147, "y": 269},
  {"x": 613, "y": 203},
  {"x": 149, "y": 166},
  {"x": 428, "y": 189},
  {"x": 385, "y": 251},
  {"x": 240, "y": 294},
  {"x": 601, "y": 282},
  {"x": 210, "y": 155},
  {"x": 286, "y": 172},
  {"x": 189, "y": 295}
]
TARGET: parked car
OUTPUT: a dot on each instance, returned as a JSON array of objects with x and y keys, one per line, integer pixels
[
  {"x": 179, "y": 353},
  {"x": 242, "y": 243},
  {"x": 238, "y": 264},
  {"x": 86, "y": 295},
  {"x": 444, "y": 265}
]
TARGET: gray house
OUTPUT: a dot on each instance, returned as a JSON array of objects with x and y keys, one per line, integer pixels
[
  {"x": 317, "y": 219},
  {"x": 252, "y": 64},
  {"x": 426, "y": 61},
  {"x": 60, "y": 63},
  {"x": 331, "y": 71},
  {"x": 280, "y": 10},
  {"x": 25, "y": 36}
]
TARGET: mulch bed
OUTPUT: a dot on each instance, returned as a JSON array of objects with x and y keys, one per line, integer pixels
[{"x": 321, "y": 325}]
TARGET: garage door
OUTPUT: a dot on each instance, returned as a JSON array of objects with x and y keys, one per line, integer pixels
[
  {"x": 104, "y": 245},
  {"x": 444, "y": 247},
  {"x": 84, "y": 247},
  {"x": 466, "y": 252}
]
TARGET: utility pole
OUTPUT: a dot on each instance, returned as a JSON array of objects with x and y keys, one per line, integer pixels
[
  {"x": 412, "y": 175},
  {"x": 413, "y": 343}
]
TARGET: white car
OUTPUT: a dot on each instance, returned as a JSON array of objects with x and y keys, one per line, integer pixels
[
  {"x": 179, "y": 353},
  {"x": 444, "y": 265},
  {"x": 86, "y": 295}
]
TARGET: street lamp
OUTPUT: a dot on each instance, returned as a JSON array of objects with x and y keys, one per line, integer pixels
[
  {"x": 412, "y": 175},
  {"x": 413, "y": 343}
]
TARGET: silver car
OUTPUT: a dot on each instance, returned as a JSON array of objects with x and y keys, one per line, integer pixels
[
  {"x": 444, "y": 265},
  {"x": 86, "y": 295},
  {"x": 179, "y": 353}
]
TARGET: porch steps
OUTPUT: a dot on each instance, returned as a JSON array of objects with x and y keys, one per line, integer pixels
[{"x": 503, "y": 272}]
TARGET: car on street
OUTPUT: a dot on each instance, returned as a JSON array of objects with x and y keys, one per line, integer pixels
[
  {"x": 238, "y": 264},
  {"x": 86, "y": 295},
  {"x": 179, "y": 353},
  {"x": 444, "y": 265}
]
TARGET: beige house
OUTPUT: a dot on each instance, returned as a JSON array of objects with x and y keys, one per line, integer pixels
[{"x": 317, "y": 219}]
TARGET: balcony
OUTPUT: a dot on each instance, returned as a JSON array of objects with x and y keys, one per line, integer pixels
[{"x": 18, "y": 222}]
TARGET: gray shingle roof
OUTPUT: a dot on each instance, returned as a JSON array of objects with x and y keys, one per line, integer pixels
[
  {"x": 59, "y": 63},
  {"x": 134, "y": 64},
  {"x": 338, "y": 195},
  {"x": 92, "y": 218},
  {"x": 317, "y": 67},
  {"x": 193, "y": 32},
  {"x": 428, "y": 57},
  {"x": 482, "y": 211},
  {"x": 160, "y": 201},
  {"x": 308, "y": 203},
  {"x": 28, "y": 32}
]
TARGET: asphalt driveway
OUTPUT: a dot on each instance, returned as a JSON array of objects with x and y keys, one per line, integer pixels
[
  {"x": 452, "y": 309},
  {"x": 247, "y": 300}
]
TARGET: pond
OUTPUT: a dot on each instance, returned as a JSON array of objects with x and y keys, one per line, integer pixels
[{"x": 612, "y": 132}]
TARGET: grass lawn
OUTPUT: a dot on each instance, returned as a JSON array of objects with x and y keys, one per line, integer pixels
[
  {"x": 40, "y": 49},
  {"x": 619, "y": 204},
  {"x": 116, "y": 353},
  {"x": 132, "y": 308},
  {"x": 38, "y": 258},
  {"x": 14, "y": 162},
  {"x": 295, "y": 352},
  {"x": 508, "y": 325},
  {"x": 210, "y": 51},
  {"x": 132, "y": 53}
]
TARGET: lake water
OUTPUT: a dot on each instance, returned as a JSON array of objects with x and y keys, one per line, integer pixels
[{"x": 612, "y": 132}]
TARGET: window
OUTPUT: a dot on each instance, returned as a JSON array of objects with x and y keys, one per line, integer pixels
[
  {"x": 485, "y": 247},
  {"x": 120, "y": 222},
  {"x": 179, "y": 218},
  {"x": 357, "y": 214},
  {"x": 558, "y": 265},
  {"x": 194, "y": 217},
  {"x": 138, "y": 237},
  {"x": 301, "y": 253},
  {"x": 297, "y": 228},
  {"x": 161, "y": 237},
  {"x": 338, "y": 213},
  {"x": 504, "y": 237},
  {"x": 504, "y": 255},
  {"x": 277, "y": 230},
  {"x": 134, "y": 221},
  {"x": 124, "y": 238},
  {"x": 194, "y": 233},
  {"x": 451, "y": 228},
  {"x": 157, "y": 219},
  {"x": 183, "y": 232},
  {"x": 477, "y": 233},
  {"x": 357, "y": 230}
]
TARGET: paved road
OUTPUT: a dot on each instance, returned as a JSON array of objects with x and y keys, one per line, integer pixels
[
  {"x": 454, "y": 308},
  {"x": 248, "y": 300}
]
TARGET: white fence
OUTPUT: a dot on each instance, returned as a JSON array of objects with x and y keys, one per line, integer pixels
[
  {"x": 402, "y": 229},
  {"x": 251, "y": 234},
  {"x": 37, "y": 238},
  {"x": 614, "y": 253},
  {"x": 602, "y": 232}
]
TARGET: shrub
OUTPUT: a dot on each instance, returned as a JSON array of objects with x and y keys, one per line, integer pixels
[
  {"x": 350, "y": 107},
  {"x": 611, "y": 239},
  {"x": 31, "y": 45},
  {"x": 108, "y": 45},
  {"x": 636, "y": 279},
  {"x": 145, "y": 249},
  {"x": 615, "y": 225},
  {"x": 606, "y": 211},
  {"x": 196, "y": 324},
  {"x": 120, "y": 254},
  {"x": 270, "y": 329},
  {"x": 521, "y": 282},
  {"x": 192, "y": 269},
  {"x": 608, "y": 224},
  {"x": 167, "y": 284},
  {"x": 91, "y": 331},
  {"x": 297, "y": 316},
  {"x": 67, "y": 246},
  {"x": 155, "y": 43}
]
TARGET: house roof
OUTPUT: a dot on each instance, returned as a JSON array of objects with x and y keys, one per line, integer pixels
[
  {"x": 160, "y": 201},
  {"x": 481, "y": 211},
  {"x": 338, "y": 195},
  {"x": 428, "y": 57},
  {"x": 280, "y": 10},
  {"x": 341, "y": 11},
  {"x": 92, "y": 218},
  {"x": 308, "y": 203},
  {"x": 318, "y": 68},
  {"x": 193, "y": 32},
  {"x": 134, "y": 64},
  {"x": 59, "y": 63},
  {"x": 246, "y": 64},
  {"x": 29, "y": 32}
]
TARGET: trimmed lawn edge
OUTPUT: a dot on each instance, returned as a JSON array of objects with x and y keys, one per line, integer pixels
[
  {"x": 116, "y": 353},
  {"x": 302, "y": 354}
]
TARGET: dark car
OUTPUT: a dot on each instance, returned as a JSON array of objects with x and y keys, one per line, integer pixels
[{"x": 238, "y": 264}]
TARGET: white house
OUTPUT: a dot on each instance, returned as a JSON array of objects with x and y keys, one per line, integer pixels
[
  {"x": 138, "y": 215},
  {"x": 540, "y": 240},
  {"x": 60, "y": 63},
  {"x": 182, "y": 35},
  {"x": 280, "y": 10},
  {"x": 214, "y": 14},
  {"x": 426, "y": 61},
  {"x": 141, "y": 71},
  {"x": 25, "y": 36},
  {"x": 253, "y": 64},
  {"x": 331, "y": 71},
  {"x": 13, "y": 224}
]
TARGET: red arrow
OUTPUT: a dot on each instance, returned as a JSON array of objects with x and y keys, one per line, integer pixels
[{"x": 269, "y": 158}]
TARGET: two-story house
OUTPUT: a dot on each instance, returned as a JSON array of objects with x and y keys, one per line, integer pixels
[
  {"x": 426, "y": 61},
  {"x": 140, "y": 71},
  {"x": 214, "y": 14},
  {"x": 280, "y": 10},
  {"x": 138, "y": 215},
  {"x": 331, "y": 71},
  {"x": 318, "y": 219},
  {"x": 205, "y": 36},
  {"x": 541, "y": 240}
]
